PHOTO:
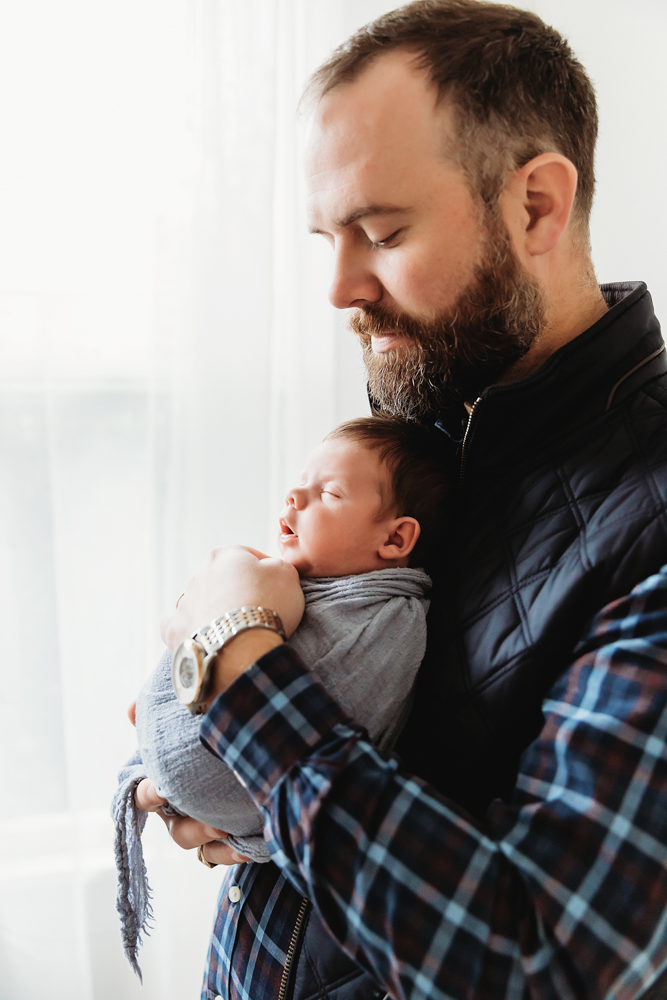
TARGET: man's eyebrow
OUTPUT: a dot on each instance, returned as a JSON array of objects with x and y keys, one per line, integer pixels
[{"x": 364, "y": 212}]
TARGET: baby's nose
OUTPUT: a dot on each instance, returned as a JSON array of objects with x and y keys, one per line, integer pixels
[{"x": 296, "y": 498}]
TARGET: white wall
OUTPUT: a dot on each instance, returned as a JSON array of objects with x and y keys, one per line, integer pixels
[{"x": 622, "y": 44}]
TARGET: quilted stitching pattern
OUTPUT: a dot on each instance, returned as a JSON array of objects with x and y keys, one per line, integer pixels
[{"x": 564, "y": 509}]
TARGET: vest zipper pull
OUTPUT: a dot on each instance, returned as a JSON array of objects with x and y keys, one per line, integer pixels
[{"x": 473, "y": 411}]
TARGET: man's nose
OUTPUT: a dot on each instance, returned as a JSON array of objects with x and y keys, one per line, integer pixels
[{"x": 354, "y": 283}]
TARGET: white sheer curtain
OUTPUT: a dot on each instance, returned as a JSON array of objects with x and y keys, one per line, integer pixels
[{"x": 167, "y": 359}]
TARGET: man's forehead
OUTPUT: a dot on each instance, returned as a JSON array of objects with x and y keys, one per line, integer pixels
[
  {"x": 366, "y": 138},
  {"x": 349, "y": 155},
  {"x": 390, "y": 97}
]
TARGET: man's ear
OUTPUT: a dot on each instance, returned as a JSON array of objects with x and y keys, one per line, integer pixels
[
  {"x": 537, "y": 202},
  {"x": 401, "y": 538}
]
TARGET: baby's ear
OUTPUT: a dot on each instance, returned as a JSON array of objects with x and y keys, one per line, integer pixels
[{"x": 401, "y": 538}]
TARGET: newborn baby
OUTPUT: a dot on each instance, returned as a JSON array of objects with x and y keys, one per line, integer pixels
[{"x": 361, "y": 522}]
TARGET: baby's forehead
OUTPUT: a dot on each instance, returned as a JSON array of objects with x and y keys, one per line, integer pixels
[{"x": 353, "y": 458}]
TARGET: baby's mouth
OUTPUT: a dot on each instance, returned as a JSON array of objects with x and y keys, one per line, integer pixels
[{"x": 285, "y": 530}]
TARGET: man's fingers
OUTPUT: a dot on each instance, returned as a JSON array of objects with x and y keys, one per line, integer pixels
[
  {"x": 222, "y": 854},
  {"x": 132, "y": 713},
  {"x": 233, "y": 577},
  {"x": 256, "y": 552},
  {"x": 190, "y": 833},
  {"x": 174, "y": 627},
  {"x": 146, "y": 796}
]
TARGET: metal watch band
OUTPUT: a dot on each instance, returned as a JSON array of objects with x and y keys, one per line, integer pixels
[
  {"x": 193, "y": 660},
  {"x": 221, "y": 630}
]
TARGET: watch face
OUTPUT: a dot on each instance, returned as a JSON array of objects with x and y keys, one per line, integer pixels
[{"x": 187, "y": 671}]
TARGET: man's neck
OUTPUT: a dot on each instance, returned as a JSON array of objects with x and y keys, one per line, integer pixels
[
  {"x": 564, "y": 323},
  {"x": 566, "y": 320}
]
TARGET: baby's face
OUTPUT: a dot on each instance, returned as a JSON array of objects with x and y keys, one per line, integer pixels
[{"x": 330, "y": 525}]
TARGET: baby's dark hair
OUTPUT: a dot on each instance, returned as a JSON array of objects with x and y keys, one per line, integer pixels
[{"x": 420, "y": 481}]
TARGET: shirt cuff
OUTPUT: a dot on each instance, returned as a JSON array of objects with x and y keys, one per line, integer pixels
[{"x": 271, "y": 717}]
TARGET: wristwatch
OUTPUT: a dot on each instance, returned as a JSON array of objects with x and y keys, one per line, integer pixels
[{"x": 191, "y": 671}]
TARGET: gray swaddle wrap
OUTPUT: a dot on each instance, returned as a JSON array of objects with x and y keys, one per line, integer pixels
[{"x": 364, "y": 638}]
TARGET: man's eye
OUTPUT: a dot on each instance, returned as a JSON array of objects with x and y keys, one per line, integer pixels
[{"x": 388, "y": 241}]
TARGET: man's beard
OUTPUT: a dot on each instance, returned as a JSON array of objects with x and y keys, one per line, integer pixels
[{"x": 455, "y": 356}]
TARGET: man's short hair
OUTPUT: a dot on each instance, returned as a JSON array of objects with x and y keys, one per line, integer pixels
[
  {"x": 420, "y": 486},
  {"x": 516, "y": 88}
]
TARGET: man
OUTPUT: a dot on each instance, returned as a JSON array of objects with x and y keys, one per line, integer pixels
[{"x": 450, "y": 165}]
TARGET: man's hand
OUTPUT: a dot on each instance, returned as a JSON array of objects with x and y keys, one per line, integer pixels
[
  {"x": 221, "y": 854},
  {"x": 189, "y": 833},
  {"x": 146, "y": 796},
  {"x": 186, "y": 832},
  {"x": 234, "y": 576}
]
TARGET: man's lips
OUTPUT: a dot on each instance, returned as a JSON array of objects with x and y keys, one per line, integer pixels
[{"x": 386, "y": 342}]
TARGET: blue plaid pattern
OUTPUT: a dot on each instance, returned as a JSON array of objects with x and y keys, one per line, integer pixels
[
  {"x": 561, "y": 895},
  {"x": 248, "y": 946}
]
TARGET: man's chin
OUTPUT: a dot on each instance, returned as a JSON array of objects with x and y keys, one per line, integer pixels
[
  {"x": 411, "y": 384},
  {"x": 417, "y": 368}
]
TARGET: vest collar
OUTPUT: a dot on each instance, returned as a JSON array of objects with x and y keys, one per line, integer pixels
[{"x": 582, "y": 380}]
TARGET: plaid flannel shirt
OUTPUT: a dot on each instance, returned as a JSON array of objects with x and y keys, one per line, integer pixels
[{"x": 560, "y": 894}]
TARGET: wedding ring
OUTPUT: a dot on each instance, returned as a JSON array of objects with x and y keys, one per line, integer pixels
[
  {"x": 200, "y": 857},
  {"x": 182, "y": 595}
]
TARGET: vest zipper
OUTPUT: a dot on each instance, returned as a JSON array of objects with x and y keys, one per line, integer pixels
[
  {"x": 290, "y": 950},
  {"x": 462, "y": 467}
]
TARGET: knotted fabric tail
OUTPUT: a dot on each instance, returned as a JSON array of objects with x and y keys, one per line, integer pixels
[{"x": 133, "y": 894}]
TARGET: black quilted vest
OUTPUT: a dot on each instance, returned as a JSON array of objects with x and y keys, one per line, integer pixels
[{"x": 561, "y": 510}]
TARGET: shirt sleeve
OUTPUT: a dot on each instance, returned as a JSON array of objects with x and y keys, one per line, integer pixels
[{"x": 560, "y": 895}]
